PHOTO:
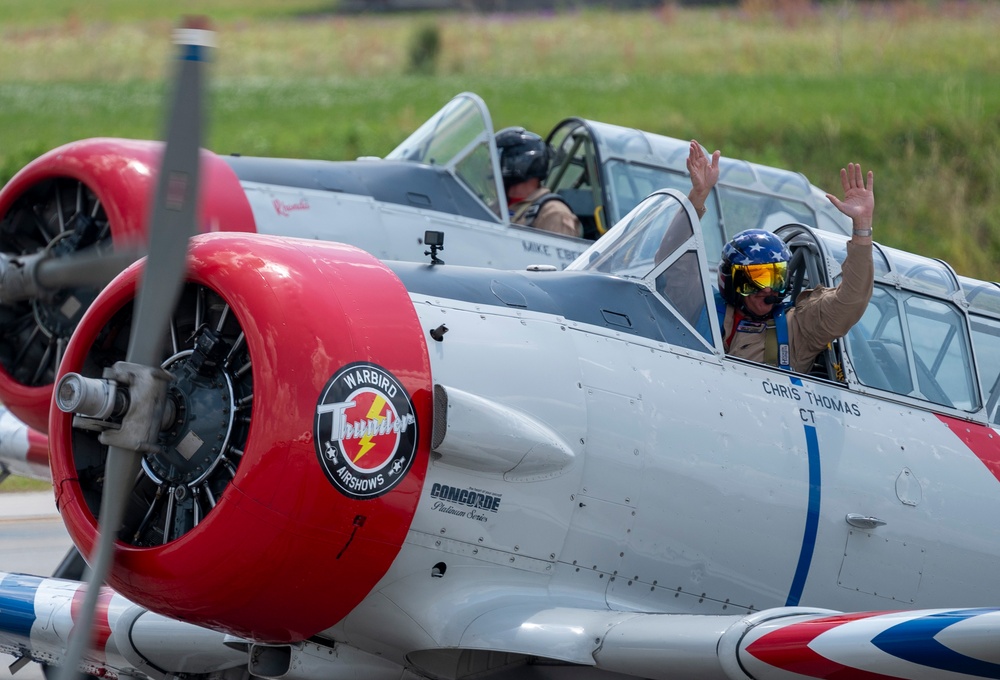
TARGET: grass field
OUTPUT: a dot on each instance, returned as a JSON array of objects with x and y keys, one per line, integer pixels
[
  {"x": 910, "y": 89},
  {"x": 15, "y": 484}
]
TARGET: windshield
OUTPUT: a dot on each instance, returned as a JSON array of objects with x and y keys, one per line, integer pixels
[
  {"x": 657, "y": 243},
  {"x": 984, "y": 308},
  {"x": 459, "y": 138},
  {"x": 632, "y": 248}
]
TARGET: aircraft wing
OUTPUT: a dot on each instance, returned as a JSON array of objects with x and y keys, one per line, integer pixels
[
  {"x": 23, "y": 450},
  {"x": 775, "y": 644},
  {"x": 37, "y": 616}
]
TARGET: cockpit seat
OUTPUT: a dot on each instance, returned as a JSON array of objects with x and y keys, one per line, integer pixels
[
  {"x": 891, "y": 358},
  {"x": 581, "y": 202}
]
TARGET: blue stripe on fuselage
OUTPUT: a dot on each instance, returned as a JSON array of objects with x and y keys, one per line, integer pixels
[
  {"x": 17, "y": 603},
  {"x": 812, "y": 514}
]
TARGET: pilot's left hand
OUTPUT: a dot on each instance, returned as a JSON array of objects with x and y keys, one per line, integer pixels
[{"x": 859, "y": 198}]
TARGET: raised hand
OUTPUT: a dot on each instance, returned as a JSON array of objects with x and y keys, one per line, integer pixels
[
  {"x": 859, "y": 197},
  {"x": 704, "y": 173}
]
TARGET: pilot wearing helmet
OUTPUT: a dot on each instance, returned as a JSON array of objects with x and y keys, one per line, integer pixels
[
  {"x": 753, "y": 277},
  {"x": 524, "y": 163}
]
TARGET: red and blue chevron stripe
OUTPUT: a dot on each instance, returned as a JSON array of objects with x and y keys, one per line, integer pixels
[{"x": 957, "y": 643}]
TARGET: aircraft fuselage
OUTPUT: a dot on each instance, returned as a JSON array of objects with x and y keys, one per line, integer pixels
[{"x": 662, "y": 479}]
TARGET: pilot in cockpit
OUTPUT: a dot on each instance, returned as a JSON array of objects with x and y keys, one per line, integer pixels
[
  {"x": 524, "y": 163},
  {"x": 753, "y": 277}
]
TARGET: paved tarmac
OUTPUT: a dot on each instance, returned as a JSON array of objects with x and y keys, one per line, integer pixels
[
  {"x": 27, "y": 505},
  {"x": 33, "y": 540}
]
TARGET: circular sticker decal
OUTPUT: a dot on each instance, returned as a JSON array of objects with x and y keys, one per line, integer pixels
[{"x": 365, "y": 431}]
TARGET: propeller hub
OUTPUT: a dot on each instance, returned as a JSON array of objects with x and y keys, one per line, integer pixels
[{"x": 194, "y": 440}]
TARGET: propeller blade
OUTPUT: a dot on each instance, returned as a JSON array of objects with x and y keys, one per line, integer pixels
[
  {"x": 172, "y": 223},
  {"x": 26, "y": 277},
  {"x": 91, "y": 268}
]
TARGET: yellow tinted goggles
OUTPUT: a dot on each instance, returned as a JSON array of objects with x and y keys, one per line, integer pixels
[{"x": 753, "y": 278}]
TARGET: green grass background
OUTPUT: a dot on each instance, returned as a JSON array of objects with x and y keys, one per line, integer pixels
[{"x": 911, "y": 89}]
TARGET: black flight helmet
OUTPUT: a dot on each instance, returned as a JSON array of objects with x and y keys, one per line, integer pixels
[{"x": 523, "y": 155}]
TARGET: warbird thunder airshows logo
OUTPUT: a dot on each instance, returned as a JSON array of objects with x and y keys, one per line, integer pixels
[{"x": 365, "y": 431}]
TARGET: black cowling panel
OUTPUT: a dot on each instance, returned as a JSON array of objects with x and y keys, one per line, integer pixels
[{"x": 618, "y": 304}]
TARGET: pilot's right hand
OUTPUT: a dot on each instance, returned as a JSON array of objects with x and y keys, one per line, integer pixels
[{"x": 704, "y": 175}]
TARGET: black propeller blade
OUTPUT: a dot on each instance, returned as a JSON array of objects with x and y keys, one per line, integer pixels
[{"x": 172, "y": 223}]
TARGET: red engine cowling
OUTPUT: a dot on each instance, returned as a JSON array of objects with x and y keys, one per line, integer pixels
[
  {"x": 111, "y": 181},
  {"x": 285, "y": 486}
]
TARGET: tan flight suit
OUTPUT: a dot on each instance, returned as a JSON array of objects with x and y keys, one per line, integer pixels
[
  {"x": 554, "y": 216},
  {"x": 820, "y": 314}
]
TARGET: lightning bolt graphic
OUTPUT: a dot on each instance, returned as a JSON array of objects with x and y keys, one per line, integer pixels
[{"x": 374, "y": 412}]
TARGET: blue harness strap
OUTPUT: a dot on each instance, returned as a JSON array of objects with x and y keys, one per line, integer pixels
[{"x": 781, "y": 331}]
